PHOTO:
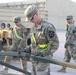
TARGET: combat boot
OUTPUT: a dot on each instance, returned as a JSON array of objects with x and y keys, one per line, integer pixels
[
  {"x": 4, "y": 72},
  {"x": 62, "y": 70}
]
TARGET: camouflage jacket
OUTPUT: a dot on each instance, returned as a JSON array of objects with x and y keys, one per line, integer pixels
[
  {"x": 71, "y": 36},
  {"x": 45, "y": 33},
  {"x": 22, "y": 32}
]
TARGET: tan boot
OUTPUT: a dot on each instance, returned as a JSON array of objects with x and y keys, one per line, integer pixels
[
  {"x": 4, "y": 72},
  {"x": 62, "y": 70}
]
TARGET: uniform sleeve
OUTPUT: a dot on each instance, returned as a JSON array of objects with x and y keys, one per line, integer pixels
[
  {"x": 23, "y": 41},
  {"x": 25, "y": 32},
  {"x": 70, "y": 29},
  {"x": 12, "y": 37},
  {"x": 52, "y": 38},
  {"x": 70, "y": 33}
]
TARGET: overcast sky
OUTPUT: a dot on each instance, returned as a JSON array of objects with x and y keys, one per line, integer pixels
[
  {"x": 6, "y": 1},
  {"x": 73, "y": 0}
]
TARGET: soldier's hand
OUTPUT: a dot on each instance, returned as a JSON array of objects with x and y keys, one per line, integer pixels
[
  {"x": 21, "y": 50},
  {"x": 39, "y": 54}
]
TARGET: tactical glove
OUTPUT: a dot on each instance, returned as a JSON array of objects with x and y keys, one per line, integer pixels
[{"x": 39, "y": 54}]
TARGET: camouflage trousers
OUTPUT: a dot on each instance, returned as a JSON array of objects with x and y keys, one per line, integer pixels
[
  {"x": 14, "y": 48},
  {"x": 40, "y": 68},
  {"x": 23, "y": 62},
  {"x": 70, "y": 52}
]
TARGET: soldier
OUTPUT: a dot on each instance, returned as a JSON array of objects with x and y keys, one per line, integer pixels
[
  {"x": 19, "y": 39},
  {"x": 44, "y": 40},
  {"x": 70, "y": 44}
]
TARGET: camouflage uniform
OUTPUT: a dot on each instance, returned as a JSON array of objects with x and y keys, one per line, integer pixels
[
  {"x": 71, "y": 41},
  {"x": 70, "y": 44},
  {"x": 43, "y": 33},
  {"x": 18, "y": 44}
]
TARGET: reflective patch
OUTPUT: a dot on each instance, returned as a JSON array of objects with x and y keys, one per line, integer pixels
[{"x": 51, "y": 34}]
